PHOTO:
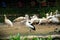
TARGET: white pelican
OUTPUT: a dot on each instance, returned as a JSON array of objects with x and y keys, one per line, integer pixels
[
  {"x": 18, "y": 19},
  {"x": 7, "y": 21},
  {"x": 47, "y": 15},
  {"x": 34, "y": 19},
  {"x": 51, "y": 14},
  {"x": 43, "y": 20},
  {"x": 29, "y": 24},
  {"x": 53, "y": 19},
  {"x": 56, "y": 12}
]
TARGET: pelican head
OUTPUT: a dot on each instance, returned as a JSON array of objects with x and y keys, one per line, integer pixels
[
  {"x": 4, "y": 14},
  {"x": 56, "y": 10},
  {"x": 47, "y": 14},
  {"x": 51, "y": 14},
  {"x": 26, "y": 15}
]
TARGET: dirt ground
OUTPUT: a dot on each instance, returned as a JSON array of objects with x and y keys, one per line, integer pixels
[{"x": 6, "y": 30}]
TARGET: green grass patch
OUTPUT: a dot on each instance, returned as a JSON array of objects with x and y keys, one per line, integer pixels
[{"x": 17, "y": 37}]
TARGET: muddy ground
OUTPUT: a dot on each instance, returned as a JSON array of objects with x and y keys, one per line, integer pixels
[{"x": 6, "y": 30}]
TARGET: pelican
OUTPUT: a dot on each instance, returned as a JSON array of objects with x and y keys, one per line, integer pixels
[
  {"x": 7, "y": 21},
  {"x": 47, "y": 15},
  {"x": 51, "y": 14},
  {"x": 19, "y": 19},
  {"x": 53, "y": 19},
  {"x": 56, "y": 12},
  {"x": 29, "y": 24},
  {"x": 34, "y": 19}
]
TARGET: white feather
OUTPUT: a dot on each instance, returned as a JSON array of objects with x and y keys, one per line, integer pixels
[{"x": 8, "y": 22}]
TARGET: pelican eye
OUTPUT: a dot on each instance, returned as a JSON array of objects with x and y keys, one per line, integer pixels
[{"x": 29, "y": 22}]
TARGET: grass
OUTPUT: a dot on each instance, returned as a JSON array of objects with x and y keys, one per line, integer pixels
[{"x": 17, "y": 37}]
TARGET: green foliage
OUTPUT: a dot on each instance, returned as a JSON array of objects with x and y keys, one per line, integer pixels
[
  {"x": 49, "y": 38},
  {"x": 25, "y": 38},
  {"x": 16, "y": 37},
  {"x": 21, "y": 11},
  {"x": 35, "y": 38},
  {"x": 42, "y": 39}
]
